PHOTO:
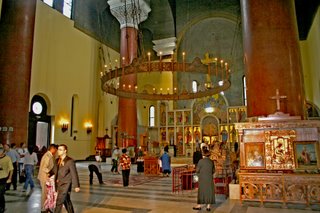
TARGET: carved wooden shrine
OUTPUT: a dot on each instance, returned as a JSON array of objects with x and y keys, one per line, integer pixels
[{"x": 279, "y": 162}]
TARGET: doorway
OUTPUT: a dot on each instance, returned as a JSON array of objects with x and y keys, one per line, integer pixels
[
  {"x": 39, "y": 123},
  {"x": 42, "y": 134}
]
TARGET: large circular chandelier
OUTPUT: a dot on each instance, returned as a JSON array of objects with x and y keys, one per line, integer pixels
[{"x": 216, "y": 69}]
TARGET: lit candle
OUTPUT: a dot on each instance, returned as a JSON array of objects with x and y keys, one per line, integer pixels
[
  {"x": 149, "y": 60},
  {"x": 175, "y": 89},
  {"x": 123, "y": 61},
  {"x": 160, "y": 53},
  {"x": 183, "y": 61},
  {"x": 216, "y": 59},
  {"x": 149, "y": 55}
]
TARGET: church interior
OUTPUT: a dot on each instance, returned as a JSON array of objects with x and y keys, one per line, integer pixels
[{"x": 238, "y": 76}]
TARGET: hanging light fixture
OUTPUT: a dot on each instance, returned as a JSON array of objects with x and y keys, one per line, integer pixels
[{"x": 218, "y": 71}]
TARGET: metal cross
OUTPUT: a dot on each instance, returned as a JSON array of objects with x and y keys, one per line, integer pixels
[{"x": 278, "y": 99}]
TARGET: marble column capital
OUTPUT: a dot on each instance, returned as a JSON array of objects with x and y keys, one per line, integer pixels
[
  {"x": 165, "y": 46},
  {"x": 129, "y": 13}
]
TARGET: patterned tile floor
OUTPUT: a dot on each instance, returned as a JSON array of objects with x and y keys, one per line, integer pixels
[{"x": 144, "y": 194}]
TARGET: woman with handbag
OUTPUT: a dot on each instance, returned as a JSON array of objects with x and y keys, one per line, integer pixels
[{"x": 205, "y": 170}]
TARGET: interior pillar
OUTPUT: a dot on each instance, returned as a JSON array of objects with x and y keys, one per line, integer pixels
[
  {"x": 127, "y": 109},
  {"x": 272, "y": 57},
  {"x": 16, "y": 42}
]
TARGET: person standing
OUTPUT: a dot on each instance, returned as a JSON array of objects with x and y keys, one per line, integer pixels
[
  {"x": 66, "y": 178},
  {"x": 45, "y": 171},
  {"x": 22, "y": 150},
  {"x": 6, "y": 170},
  {"x": 125, "y": 163},
  {"x": 166, "y": 162},
  {"x": 14, "y": 156},
  {"x": 30, "y": 159},
  {"x": 115, "y": 159},
  {"x": 205, "y": 170}
]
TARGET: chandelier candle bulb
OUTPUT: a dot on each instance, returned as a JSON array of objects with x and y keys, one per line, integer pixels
[
  {"x": 183, "y": 61},
  {"x": 123, "y": 62}
]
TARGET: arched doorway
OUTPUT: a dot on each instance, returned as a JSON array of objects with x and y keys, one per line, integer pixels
[{"x": 39, "y": 123}]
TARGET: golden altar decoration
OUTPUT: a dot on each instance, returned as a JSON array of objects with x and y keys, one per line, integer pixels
[
  {"x": 279, "y": 162},
  {"x": 279, "y": 149}
]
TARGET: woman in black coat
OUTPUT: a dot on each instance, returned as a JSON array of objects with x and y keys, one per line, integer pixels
[{"x": 205, "y": 170}]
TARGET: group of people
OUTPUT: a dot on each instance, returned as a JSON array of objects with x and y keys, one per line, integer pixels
[
  {"x": 16, "y": 162},
  {"x": 58, "y": 171},
  {"x": 205, "y": 170},
  {"x": 55, "y": 165},
  {"x": 123, "y": 160}
]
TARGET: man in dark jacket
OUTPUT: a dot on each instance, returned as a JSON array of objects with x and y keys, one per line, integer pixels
[{"x": 66, "y": 178}]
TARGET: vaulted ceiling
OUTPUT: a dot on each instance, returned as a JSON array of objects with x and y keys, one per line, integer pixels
[{"x": 168, "y": 17}]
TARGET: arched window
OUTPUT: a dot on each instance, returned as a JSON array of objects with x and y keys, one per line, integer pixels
[
  {"x": 244, "y": 90},
  {"x": 67, "y": 8},
  {"x": 151, "y": 116},
  {"x": 48, "y": 2},
  {"x": 194, "y": 86}
]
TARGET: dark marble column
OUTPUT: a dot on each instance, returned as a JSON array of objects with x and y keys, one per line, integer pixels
[
  {"x": 272, "y": 57},
  {"x": 16, "y": 42}
]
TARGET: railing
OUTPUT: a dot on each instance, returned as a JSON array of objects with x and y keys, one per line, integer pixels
[
  {"x": 182, "y": 178},
  {"x": 283, "y": 188}
]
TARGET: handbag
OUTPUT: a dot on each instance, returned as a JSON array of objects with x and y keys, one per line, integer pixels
[
  {"x": 195, "y": 178},
  {"x": 50, "y": 202}
]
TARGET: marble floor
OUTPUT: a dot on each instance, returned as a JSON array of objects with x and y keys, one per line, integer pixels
[{"x": 144, "y": 194}]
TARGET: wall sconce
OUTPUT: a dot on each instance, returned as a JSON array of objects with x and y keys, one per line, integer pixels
[
  {"x": 88, "y": 126},
  {"x": 64, "y": 124},
  {"x": 64, "y": 127}
]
